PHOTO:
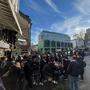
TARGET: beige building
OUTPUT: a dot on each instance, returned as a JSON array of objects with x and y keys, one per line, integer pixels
[
  {"x": 15, "y": 4},
  {"x": 8, "y": 15},
  {"x": 9, "y": 24},
  {"x": 14, "y": 25}
]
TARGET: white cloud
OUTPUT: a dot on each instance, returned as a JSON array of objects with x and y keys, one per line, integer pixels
[
  {"x": 33, "y": 5},
  {"x": 78, "y": 23},
  {"x": 83, "y": 6},
  {"x": 72, "y": 25},
  {"x": 52, "y": 5},
  {"x": 36, "y": 7},
  {"x": 34, "y": 34},
  {"x": 55, "y": 8}
]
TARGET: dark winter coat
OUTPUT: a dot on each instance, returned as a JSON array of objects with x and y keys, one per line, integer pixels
[{"x": 74, "y": 68}]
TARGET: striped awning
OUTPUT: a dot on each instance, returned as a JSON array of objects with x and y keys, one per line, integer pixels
[{"x": 8, "y": 17}]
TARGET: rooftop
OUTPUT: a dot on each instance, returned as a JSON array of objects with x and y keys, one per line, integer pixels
[
  {"x": 25, "y": 16},
  {"x": 54, "y": 33}
]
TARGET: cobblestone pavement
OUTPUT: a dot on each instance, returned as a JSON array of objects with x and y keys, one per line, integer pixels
[{"x": 85, "y": 85}]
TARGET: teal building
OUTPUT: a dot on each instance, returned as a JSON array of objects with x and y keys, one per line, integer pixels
[{"x": 52, "y": 41}]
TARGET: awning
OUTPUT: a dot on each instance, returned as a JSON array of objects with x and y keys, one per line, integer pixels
[{"x": 8, "y": 18}]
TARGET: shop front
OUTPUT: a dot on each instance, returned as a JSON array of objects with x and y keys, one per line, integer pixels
[{"x": 9, "y": 25}]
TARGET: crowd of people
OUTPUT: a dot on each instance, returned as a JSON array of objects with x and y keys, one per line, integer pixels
[{"x": 27, "y": 71}]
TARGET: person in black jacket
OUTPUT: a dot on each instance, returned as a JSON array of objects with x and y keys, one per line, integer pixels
[
  {"x": 82, "y": 66},
  {"x": 2, "y": 87},
  {"x": 73, "y": 70},
  {"x": 28, "y": 71},
  {"x": 42, "y": 71}
]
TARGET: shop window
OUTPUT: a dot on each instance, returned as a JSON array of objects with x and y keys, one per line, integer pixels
[{"x": 58, "y": 44}]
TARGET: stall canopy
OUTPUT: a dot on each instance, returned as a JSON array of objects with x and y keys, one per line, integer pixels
[{"x": 8, "y": 17}]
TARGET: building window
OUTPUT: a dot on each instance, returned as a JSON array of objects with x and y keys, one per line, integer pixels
[
  {"x": 53, "y": 44},
  {"x": 71, "y": 45},
  {"x": 66, "y": 44},
  {"x": 62, "y": 44},
  {"x": 46, "y": 43},
  {"x": 53, "y": 50},
  {"x": 47, "y": 49},
  {"x": 58, "y": 44},
  {"x": 41, "y": 49}
]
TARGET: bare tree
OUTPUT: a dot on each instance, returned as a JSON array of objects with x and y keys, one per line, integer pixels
[{"x": 80, "y": 36}]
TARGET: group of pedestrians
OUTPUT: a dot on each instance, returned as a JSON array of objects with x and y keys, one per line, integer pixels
[{"x": 26, "y": 71}]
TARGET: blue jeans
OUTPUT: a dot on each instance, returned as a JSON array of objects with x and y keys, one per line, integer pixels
[{"x": 73, "y": 83}]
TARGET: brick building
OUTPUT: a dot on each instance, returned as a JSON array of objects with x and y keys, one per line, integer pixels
[{"x": 25, "y": 23}]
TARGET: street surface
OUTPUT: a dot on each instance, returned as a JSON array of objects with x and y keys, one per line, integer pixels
[{"x": 85, "y": 85}]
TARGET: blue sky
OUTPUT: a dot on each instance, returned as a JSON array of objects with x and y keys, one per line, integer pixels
[{"x": 63, "y": 16}]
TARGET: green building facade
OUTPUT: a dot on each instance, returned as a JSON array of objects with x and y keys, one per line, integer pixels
[{"x": 51, "y": 41}]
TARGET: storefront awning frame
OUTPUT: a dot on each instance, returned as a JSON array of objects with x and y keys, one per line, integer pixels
[{"x": 8, "y": 16}]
